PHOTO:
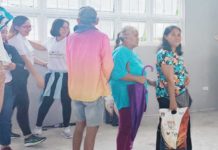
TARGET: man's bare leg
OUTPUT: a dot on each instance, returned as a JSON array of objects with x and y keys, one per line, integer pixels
[
  {"x": 78, "y": 135},
  {"x": 91, "y": 133}
]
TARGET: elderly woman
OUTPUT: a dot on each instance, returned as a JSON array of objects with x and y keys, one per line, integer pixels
[{"x": 127, "y": 70}]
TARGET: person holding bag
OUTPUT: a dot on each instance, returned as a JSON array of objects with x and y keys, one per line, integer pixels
[{"x": 172, "y": 93}]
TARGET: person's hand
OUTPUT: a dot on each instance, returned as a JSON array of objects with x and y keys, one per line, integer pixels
[
  {"x": 40, "y": 82},
  {"x": 187, "y": 81},
  {"x": 141, "y": 79},
  {"x": 173, "y": 105},
  {"x": 45, "y": 65},
  {"x": 10, "y": 66}
]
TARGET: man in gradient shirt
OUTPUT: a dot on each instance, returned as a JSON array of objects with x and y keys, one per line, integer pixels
[{"x": 89, "y": 60}]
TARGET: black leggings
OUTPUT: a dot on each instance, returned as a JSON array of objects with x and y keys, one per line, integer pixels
[
  {"x": 48, "y": 101},
  {"x": 22, "y": 104},
  {"x": 164, "y": 103}
]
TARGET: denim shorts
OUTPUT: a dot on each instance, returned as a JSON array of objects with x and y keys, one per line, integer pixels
[{"x": 90, "y": 112}]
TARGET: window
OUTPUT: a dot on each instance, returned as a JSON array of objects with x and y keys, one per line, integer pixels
[
  {"x": 63, "y": 4},
  {"x": 158, "y": 29},
  {"x": 141, "y": 29},
  {"x": 19, "y": 3},
  {"x": 167, "y": 7},
  {"x": 107, "y": 27},
  {"x": 133, "y": 6},
  {"x": 34, "y": 34},
  {"x": 102, "y": 5},
  {"x": 150, "y": 17}
]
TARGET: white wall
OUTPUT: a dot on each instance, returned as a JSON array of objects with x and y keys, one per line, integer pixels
[{"x": 201, "y": 27}]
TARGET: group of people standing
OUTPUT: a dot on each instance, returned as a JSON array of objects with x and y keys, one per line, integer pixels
[{"x": 82, "y": 70}]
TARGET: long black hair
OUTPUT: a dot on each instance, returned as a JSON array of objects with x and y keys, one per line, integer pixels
[{"x": 165, "y": 44}]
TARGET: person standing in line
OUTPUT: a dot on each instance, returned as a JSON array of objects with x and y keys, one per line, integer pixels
[
  {"x": 20, "y": 29},
  {"x": 89, "y": 61},
  {"x": 127, "y": 70},
  {"x": 56, "y": 79},
  {"x": 172, "y": 81}
]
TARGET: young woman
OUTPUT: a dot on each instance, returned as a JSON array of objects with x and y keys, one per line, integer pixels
[
  {"x": 20, "y": 29},
  {"x": 172, "y": 79},
  {"x": 56, "y": 79},
  {"x": 127, "y": 70}
]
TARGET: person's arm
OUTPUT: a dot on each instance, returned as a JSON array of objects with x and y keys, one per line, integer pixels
[
  {"x": 130, "y": 77},
  {"x": 37, "y": 46},
  {"x": 40, "y": 62},
  {"x": 2, "y": 74},
  {"x": 10, "y": 66},
  {"x": 16, "y": 58},
  {"x": 106, "y": 57},
  {"x": 187, "y": 81},
  {"x": 36, "y": 75},
  {"x": 2, "y": 84},
  {"x": 168, "y": 72}
]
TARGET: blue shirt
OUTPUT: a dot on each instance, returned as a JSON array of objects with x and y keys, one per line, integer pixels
[{"x": 123, "y": 56}]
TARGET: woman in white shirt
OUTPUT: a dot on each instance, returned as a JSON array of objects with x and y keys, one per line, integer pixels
[
  {"x": 20, "y": 29},
  {"x": 56, "y": 86}
]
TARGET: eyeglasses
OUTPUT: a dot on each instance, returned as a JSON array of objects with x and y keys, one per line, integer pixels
[{"x": 26, "y": 26}]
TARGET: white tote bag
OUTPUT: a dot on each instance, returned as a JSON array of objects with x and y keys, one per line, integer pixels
[{"x": 174, "y": 127}]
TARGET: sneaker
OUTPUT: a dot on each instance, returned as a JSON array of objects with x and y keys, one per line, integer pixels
[
  {"x": 14, "y": 135},
  {"x": 67, "y": 134},
  {"x": 6, "y": 148},
  {"x": 37, "y": 130},
  {"x": 33, "y": 140}
]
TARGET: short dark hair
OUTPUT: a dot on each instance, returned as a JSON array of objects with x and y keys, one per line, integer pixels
[
  {"x": 87, "y": 15},
  {"x": 165, "y": 44},
  {"x": 56, "y": 26}
]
